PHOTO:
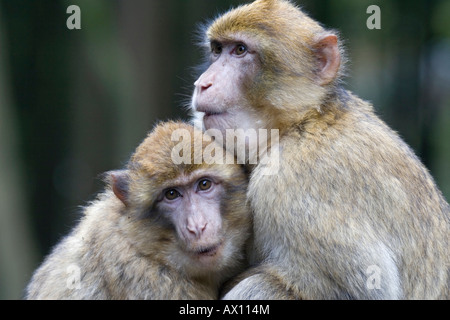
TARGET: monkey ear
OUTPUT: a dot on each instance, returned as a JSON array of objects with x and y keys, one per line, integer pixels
[
  {"x": 328, "y": 57},
  {"x": 119, "y": 184}
]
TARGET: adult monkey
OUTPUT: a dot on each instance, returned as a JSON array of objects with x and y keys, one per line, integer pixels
[{"x": 352, "y": 212}]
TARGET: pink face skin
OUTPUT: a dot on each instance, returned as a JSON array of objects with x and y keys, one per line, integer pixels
[
  {"x": 220, "y": 91},
  {"x": 193, "y": 207}
]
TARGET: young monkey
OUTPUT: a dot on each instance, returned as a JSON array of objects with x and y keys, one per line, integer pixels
[{"x": 160, "y": 230}]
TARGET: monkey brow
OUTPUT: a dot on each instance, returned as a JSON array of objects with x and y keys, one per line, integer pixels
[
  {"x": 215, "y": 43},
  {"x": 223, "y": 42}
]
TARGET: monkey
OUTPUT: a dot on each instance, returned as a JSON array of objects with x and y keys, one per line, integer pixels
[
  {"x": 160, "y": 229},
  {"x": 349, "y": 211}
]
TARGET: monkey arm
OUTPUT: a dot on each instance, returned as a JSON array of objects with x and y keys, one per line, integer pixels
[
  {"x": 259, "y": 283},
  {"x": 322, "y": 274}
]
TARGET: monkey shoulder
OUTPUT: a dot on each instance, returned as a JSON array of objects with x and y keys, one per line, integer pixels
[
  {"x": 353, "y": 164},
  {"x": 76, "y": 253}
]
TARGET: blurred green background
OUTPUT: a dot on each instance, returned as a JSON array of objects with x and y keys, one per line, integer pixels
[{"x": 75, "y": 103}]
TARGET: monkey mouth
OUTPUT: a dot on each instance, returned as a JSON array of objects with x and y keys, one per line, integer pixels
[
  {"x": 209, "y": 113},
  {"x": 212, "y": 113},
  {"x": 208, "y": 251}
]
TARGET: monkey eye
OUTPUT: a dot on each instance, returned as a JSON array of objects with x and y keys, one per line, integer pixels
[
  {"x": 216, "y": 48},
  {"x": 172, "y": 194},
  {"x": 240, "y": 49},
  {"x": 204, "y": 184}
]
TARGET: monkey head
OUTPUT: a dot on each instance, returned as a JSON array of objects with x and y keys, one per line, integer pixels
[
  {"x": 193, "y": 215},
  {"x": 268, "y": 65}
]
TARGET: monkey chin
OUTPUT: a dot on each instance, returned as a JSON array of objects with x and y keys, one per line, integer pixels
[
  {"x": 218, "y": 121},
  {"x": 208, "y": 257}
]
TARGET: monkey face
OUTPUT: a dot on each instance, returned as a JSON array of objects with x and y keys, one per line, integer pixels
[
  {"x": 221, "y": 98},
  {"x": 220, "y": 94},
  {"x": 194, "y": 206}
]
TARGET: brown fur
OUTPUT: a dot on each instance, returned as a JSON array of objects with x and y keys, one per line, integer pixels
[
  {"x": 123, "y": 253},
  {"x": 350, "y": 193}
]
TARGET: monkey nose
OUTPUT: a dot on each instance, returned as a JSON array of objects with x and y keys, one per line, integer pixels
[
  {"x": 202, "y": 85},
  {"x": 196, "y": 229}
]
